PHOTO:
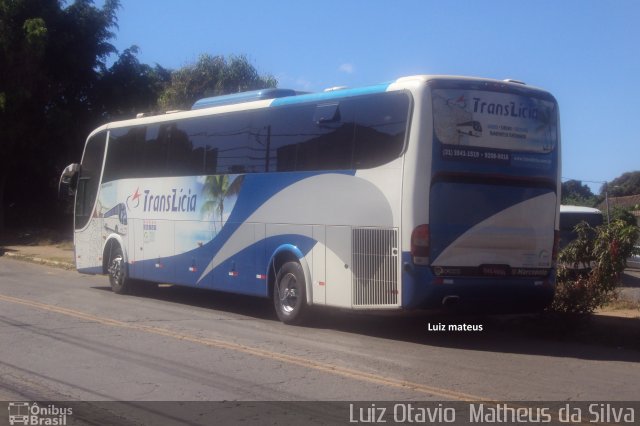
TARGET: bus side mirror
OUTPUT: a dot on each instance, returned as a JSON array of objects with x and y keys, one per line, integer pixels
[{"x": 68, "y": 181}]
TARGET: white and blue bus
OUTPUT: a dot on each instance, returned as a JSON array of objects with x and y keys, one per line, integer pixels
[{"x": 367, "y": 198}]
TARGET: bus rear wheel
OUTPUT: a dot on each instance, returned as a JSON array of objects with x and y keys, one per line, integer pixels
[
  {"x": 289, "y": 294},
  {"x": 117, "y": 270}
]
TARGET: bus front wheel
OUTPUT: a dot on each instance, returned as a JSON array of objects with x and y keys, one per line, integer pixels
[
  {"x": 120, "y": 282},
  {"x": 289, "y": 294}
]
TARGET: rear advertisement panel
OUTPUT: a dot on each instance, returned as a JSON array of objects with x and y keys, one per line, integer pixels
[{"x": 488, "y": 126}]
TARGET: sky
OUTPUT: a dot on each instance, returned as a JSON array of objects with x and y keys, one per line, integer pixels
[{"x": 586, "y": 53}]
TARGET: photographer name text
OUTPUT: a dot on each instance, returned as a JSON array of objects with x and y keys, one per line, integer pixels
[{"x": 491, "y": 413}]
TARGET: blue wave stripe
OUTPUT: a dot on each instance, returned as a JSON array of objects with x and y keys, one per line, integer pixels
[
  {"x": 455, "y": 208},
  {"x": 247, "y": 263}
]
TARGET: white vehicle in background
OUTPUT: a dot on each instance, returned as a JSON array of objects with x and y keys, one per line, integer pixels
[
  {"x": 570, "y": 216},
  {"x": 634, "y": 261}
]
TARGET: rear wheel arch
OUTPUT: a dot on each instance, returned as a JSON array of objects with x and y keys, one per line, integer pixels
[
  {"x": 289, "y": 284},
  {"x": 289, "y": 294},
  {"x": 283, "y": 254}
]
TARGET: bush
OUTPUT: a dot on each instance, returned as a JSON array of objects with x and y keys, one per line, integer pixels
[{"x": 589, "y": 267}]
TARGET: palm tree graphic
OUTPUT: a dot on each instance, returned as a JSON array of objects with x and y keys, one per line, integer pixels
[{"x": 216, "y": 189}]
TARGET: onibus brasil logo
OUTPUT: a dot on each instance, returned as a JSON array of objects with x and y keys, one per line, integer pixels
[{"x": 30, "y": 413}]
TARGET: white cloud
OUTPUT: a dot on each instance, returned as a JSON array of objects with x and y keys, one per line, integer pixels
[
  {"x": 299, "y": 83},
  {"x": 303, "y": 84},
  {"x": 347, "y": 68}
]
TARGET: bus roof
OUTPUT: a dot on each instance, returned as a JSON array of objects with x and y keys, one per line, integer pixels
[
  {"x": 235, "y": 98},
  {"x": 277, "y": 97}
]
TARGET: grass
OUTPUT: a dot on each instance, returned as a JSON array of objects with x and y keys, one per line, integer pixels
[
  {"x": 621, "y": 303},
  {"x": 65, "y": 245}
]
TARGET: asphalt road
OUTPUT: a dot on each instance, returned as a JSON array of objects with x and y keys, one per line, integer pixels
[{"x": 66, "y": 336}]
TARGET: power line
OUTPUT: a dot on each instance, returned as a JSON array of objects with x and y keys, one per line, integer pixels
[{"x": 582, "y": 180}]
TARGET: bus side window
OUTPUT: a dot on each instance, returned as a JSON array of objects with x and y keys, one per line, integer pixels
[
  {"x": 229, "y": 134},
  {"x": 380, "y": 129},
  {"x": 154, "y": 159},
  {"x": 332, "y": 147},
  {"x": 180, "y": 158},
  {"x": 204, "y": 156},
  {"x": 123, "y": 154},
  {"x": 260, "y": 142},
  {"x": 280, "y": 133},
  {"x": 310, "y": 137}
]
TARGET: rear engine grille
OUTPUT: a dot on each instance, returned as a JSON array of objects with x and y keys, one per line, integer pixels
[{"x": 375, "y": 267}]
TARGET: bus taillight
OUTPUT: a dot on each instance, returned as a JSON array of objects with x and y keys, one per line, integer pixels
[
  {"x": 556, "y": 246},
  {"x": 420, "y": 245}
]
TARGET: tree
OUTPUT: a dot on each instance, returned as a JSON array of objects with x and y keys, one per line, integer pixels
[
  {"x": 129, "y": 87},
  {"x": 623, "y": 215},
  {"x": 605, "y": 249},
  {"x": 49, "y": 61},
  {"x": 212, "y": 76},
  {"x": 55, "y": 87},
  {"x": 626, "y": 184},
  {"x": 574, "y": 192}
]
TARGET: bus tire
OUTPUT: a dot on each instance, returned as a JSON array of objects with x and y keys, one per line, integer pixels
[
  {"x": 289, "y": 294},
  {"x": 117, "y": 270}
]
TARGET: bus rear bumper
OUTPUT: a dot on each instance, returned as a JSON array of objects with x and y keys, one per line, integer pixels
[{"x": 423, "y": 290}]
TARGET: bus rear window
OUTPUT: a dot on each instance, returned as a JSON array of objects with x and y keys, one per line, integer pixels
[{"x": 494, "y": 120}]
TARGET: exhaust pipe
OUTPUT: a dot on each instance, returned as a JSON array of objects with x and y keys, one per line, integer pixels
[{"x": 450, "y": 300}]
